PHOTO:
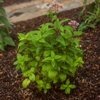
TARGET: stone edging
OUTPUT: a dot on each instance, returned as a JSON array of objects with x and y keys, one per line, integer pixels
[{"x": 29, "y": 10}]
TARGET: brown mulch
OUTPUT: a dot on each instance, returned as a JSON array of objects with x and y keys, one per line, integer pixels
[{"x": 87, "y": 79}]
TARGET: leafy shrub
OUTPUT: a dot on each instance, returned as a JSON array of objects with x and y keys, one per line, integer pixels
[
  {"x": 5, "y": 39},
  {"x": 49, "y": 55},
  {"x": 92, "y": 17}
]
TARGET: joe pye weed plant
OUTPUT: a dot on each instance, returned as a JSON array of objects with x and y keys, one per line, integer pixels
[{"x": 50, "y": 55}]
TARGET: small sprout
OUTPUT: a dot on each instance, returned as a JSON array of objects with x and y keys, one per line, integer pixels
[{"x": 67, "y": 87}]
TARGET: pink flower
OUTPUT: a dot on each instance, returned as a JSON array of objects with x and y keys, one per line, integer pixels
[{"x": 73, "y": 23}]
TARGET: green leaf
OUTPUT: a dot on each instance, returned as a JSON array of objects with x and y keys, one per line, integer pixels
[
  {"x": 52, "y": 74},
  {"x": 40, "y": 84},
  {"x": 4, "y": 21},
  {"x": 69, "y": 60},
  {"x": 57, "y": 24},
  {"x": 47, "y": 53},
  {"x": 42, "y": 41},
  {"x": 52, "y": 54},
  {"x": 63, "y": 87},
  {"x": 21, "y": 36},
  {"x": 83, "y": 26},
  {"x": 32, "y": 77},
  {"x": 67, "y": 90},
  {"x": 68, "y": 29},
  {"x": 64, "y": 20},
  {"x": 67, "y": 82},
  {"x": 2, "y": 12},
  {"x": 26, "y": 83},
  {"x": 2, "y": 47},
  {"x": 37, "y": 58},
  {"x": 9, "y": 41},
  {"x": 77, "y": 33},
  {"x": 61, "y": 41},
  {"x": 62, "y": 77},
  {"x": 46, "y": 68},
  {"x": 21, "y": 60},
  {"x": 48, "y": 86},
  {"x": 47, "y": 59},
  {"x": 78, "y": 61},
  {"x": 73, "y": 70},
  {"x": 72, "y": 86},
  {"x": 67, "y": 33},
  {"x": 58, "y": 57}
]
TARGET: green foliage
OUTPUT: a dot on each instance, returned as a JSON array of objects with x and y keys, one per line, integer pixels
[
  {"x": 49, "y": 55},
  {"x": 5, "y": 39},
  {"x": 92, "y": 18},
  {"x": 67, "y": 87}
]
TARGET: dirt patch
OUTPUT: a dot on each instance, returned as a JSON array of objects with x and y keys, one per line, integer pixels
[{"x": 87, "y": 79}]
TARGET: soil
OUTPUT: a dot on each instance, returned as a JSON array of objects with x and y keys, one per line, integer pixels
[
  {"x": 87, "y": 79},
  {"x": 7, "y": 2}
]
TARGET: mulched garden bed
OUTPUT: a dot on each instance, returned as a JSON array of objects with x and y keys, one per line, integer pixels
[{"x": 87, "y": 79}]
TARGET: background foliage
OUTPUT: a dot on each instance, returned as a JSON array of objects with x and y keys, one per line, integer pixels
[
  {"x": 5, "y": 39},
  {"x": 90, "y": 15}
]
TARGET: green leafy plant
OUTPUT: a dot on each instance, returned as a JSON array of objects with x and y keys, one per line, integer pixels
[
  {"x": 92, "y": 17},
  {"x": 5, "y": 39},
  {"x": 67, "y": 87},
  {"x": 49, "y": 55}
]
